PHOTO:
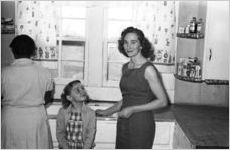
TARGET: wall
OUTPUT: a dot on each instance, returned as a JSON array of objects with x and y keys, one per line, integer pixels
[
  {"x": 201, "y": 93},
  {"x": 114, "y": 94},
  {"x": 7, "y": 11}
]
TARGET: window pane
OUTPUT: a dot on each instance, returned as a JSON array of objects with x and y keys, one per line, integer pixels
[
  {"x": 52, "y": 66},
  {"x": 54, "y": 72},
  {"x": 73, "y": 27},
  {"x": 72, "y": 50},
  {"x": 73, "y": 12},
  {"x": 120, "y": 13},
  {"x": 114, "y": 54},
  {"x": 116, "y": 27},
  {"x": 70, "y": 69},
  {"x": 114, "y": 71}
]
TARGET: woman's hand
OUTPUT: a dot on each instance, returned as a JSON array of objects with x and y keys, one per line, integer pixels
[
  {"x": 126, "y": 112},
  {"x": 111, "y": 110},
  {"x": 100, "y": 112}
]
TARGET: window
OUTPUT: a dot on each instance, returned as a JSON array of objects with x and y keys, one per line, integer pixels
[
  {"x": 71, "y": 37},
  {"x": 155, "y": 18},
  {"x": 118, "y": 16},
  {"x": 60, "y": 35},
  {"x": 65, "y": 32}
]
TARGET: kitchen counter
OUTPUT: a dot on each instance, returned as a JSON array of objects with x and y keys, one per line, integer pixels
[{"x": 204, "y": 126}]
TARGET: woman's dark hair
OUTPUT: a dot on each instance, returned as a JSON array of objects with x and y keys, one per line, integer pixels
[
  {"x": 67, "y": 91},
  {"x": 23, "y": 46},
  {"x": 147, "y": 49}
]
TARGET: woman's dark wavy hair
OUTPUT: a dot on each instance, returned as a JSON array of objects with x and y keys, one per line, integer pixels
[
  {"x": 147, "y": 49},
  {"x": 23, "y": 46},
  {"x": 67, "y": 91}
]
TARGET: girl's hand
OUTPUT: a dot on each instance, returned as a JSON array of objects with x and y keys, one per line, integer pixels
[
  {"x": 126, "y": 112},
  {"x": 100, "y": 112}
]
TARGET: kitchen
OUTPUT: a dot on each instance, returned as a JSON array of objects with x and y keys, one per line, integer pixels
[{"x": 198, "y": 114}]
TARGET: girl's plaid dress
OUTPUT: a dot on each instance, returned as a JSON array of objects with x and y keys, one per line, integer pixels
[{"x": 74, "y": 130}]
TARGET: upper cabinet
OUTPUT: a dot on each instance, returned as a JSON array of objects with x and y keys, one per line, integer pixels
[
  {"x": 203, "y": 57},
  {"x": 190, "y": 40},
  {"x": 216, "y": 47},
  {"x": 7, "y": 31}
]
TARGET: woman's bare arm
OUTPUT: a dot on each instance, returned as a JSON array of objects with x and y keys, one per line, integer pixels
[{"x": 156, "y": 87}]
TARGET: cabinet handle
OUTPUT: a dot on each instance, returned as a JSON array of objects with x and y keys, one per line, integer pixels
[{"x": 210, "y": 54}]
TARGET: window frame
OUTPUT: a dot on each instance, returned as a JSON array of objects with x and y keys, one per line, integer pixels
[
  {"x": 106, "y": 40},
  {"x": 61, "y": 38}
]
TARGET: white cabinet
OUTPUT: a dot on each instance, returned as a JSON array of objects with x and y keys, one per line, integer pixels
[
  {"x": 216, "y": 53},
  {"x": 163, "y": 135},
  {"x": 106, "y": 134}
]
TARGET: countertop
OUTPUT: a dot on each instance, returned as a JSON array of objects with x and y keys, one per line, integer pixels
[{"x": 205, "y": 126}]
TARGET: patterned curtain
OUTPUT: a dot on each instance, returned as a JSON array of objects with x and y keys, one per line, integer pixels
[
  {"x": 37, "y": 19},
  {"x": 157, "y": 19}
]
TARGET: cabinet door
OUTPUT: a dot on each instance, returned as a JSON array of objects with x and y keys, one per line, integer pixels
[
  {"x": 52, "y": 123},
  {"x": 163, "y": 135},
  {"x": 217, "y": 41},
  {"x": 106, "y": 134}
]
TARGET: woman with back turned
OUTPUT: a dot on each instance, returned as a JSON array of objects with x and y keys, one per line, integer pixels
[
  {"x": 25, "y": 88},
  {"x": 142, "y": 92}
]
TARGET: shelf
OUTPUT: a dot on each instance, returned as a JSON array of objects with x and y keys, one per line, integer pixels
[
  {"x": 8, "y": 32},
  {"x": 207, "y": 81},
  {"x": 36, "y": 59},
  {"x": 190, "y": 35},
  {"x": 166, "y": 64},
  {"x": 189, "y": 79},
  {"x": 216, "y": 82}
]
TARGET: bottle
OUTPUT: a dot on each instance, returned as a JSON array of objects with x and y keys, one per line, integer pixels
[
  {"x": 199, "y": 25},
  {"x": 181, "y": 30},
  {"x": 187, "y": 29},
  {"x": 165, "y": 60},
  {"x": 193, "y": 24},
  {"x": 198, "y": 72},
  {"x": 179, "y": 69}
]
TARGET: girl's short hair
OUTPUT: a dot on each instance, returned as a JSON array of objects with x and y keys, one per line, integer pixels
[
  {"x": 23, "y": 46},
  {"x": 67, "y": 91},
  {"x": 147, "y": 49}
]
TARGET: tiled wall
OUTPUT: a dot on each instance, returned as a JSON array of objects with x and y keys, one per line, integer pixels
[{"x": 114, "y": 94}]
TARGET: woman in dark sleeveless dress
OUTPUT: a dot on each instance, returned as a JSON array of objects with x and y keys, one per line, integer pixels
[{"x": 142, "y": 92}]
